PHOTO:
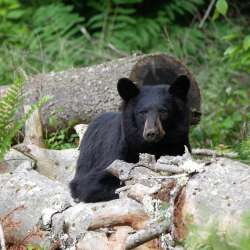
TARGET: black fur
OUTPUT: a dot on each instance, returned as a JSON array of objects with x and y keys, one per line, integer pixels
[{"x": 121, "y": 135}]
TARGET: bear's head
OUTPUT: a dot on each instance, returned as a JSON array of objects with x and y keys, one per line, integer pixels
[{"x": 154, "y": 112}]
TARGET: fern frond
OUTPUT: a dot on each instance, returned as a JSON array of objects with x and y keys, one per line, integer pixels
[{"x": 9, "y": 105}]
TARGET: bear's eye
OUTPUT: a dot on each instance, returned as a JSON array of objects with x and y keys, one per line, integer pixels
[
  {"x": 142, "y": 112},
  {"x": 163, "y": 113}
]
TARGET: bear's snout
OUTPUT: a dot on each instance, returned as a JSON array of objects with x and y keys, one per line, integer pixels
[
  {"x": 152, "y": 135},
  {"x": 153, "y": 131}
]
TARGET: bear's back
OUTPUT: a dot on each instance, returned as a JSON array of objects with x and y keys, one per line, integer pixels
[{"x": 101, "y": 143}]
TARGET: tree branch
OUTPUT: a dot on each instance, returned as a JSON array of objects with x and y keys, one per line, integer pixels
[
  {"x": 210, "y": 6},
  {"x": 146, "y": 234}
]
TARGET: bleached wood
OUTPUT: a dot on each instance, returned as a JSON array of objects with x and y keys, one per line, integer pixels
[
  {"x": 2, "y": 239},
  {"x": 117, "y": 212},
  {"x": 146, "y": 234}
]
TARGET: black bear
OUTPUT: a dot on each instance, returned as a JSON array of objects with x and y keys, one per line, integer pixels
[{"x": 154, "y": 119}]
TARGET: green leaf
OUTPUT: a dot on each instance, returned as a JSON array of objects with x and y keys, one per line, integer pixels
[
  {"x": 15, "y": 14},
  {"x": 230, "y": 50},
  {"x": 230, "y": 37},
  {"x": 222, "y": 7},
  {"x": 246, "y": 42}
]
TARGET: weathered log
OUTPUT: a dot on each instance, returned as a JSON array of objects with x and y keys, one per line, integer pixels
[
  {"x": 220, "y": 190},
  {"x": 47, "y": 206},
  {"x": 24, "y": 194},
  {"x": 79, "y": 95},
  {"x": 215, "y": 192},
  {"x": 219, "y": 194},
  {"x": 146, "y": 234},
  {"x": 120, "y": 211}
]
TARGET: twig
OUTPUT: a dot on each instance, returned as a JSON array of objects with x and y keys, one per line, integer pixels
[
  {"x": 171, "y": 168},
  {"x": 210, "y": 6},
  {"x": 2, "y": 241},
  {"x": 113, "y": 48},
  {"x": 23, "y": 149},
  {"x": 146, "y": 234},
  {"x": 210, "y": 152},
  {"x": 176, "y": 176}
]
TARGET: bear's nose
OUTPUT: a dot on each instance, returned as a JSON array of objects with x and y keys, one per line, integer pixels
[{"x": 151, "y": 135}]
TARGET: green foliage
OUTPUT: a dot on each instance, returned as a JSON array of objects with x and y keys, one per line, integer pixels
[
  {"x": 238, "y": 53},
  {"x": 244, "y": 149},
  {"x": 47, "y": 39},
  {"x": 212, "y": 238},
  {"x": 61, "y": 139},
  {"x": 9, "y": 105},
  {"x": 225, "y": 93},
  {"x": 121, "y": 26}
]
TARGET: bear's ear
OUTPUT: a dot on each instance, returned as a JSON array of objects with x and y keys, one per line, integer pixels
[
  {"x": 127, "y": 89},
  {"x": 180, "y": 87}
]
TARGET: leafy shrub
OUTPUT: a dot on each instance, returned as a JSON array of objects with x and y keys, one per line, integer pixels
[
  {"x": 61, "y": 139},
  {"x": 48, "y": 38}
]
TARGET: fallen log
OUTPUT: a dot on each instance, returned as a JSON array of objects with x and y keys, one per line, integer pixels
[{"x": 79, "y": 95}]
